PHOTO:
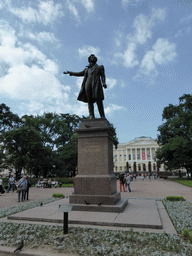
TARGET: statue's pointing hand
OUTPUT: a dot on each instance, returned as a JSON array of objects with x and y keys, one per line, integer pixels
[{"x": 66, "y": 72}]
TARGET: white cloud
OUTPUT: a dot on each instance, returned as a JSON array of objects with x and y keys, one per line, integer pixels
[
  {"x": 41, "y": 37},
  {"x": 30, "y": 83},
  {"x": 87, "y": 50},
  {"x": 142, "y": 33},
  {"x": 143, "y": 25},
  {"x": 186, "y": 19},
  {"x": 73, "y": 9},
  {"x": 128, "y": 58},
  {"x": 162, "y": 52},
  {"x": 88, "y": 4},
  {"x": 72, "y": 6},
  {"x": 27, "y": 73},
  {"x": 111, "y": 83},
  {"x": 125, "y": 2},
  {"x": 113, "y": 107},
  {"x": 46, "y": 12},
  {"x": 78, "y": 83}
]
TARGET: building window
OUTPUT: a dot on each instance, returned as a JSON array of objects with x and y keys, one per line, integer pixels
[
  {"x": 120, "y": 158},
  {"x": 115, "y": 158},
  {"x": 144, "y": 167},
  {"x": 124, "y": 158},
  {"x": 139, "y": 167},
  {"x": 129, "y": 157}
]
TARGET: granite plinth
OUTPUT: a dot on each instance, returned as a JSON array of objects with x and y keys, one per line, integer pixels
[
  {"x": 118, "y": 207},
  {"x": 95, "y": 183},
  {"x": 95, "y": 199}
]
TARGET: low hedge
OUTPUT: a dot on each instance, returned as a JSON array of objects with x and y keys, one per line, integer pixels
[
  {"x": 175, "y": 198},
  {"x": 58, "y": 195}
]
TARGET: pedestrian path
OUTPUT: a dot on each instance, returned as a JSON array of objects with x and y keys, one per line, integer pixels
[{"x": 140, "y": 213}]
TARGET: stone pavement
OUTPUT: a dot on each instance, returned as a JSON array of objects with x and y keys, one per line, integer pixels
[{"x": 143, "y": 213}]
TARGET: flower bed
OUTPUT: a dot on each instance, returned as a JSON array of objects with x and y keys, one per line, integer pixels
[
  {"x": 180, "y": 213},
  {"x": 88, "y": 241}
]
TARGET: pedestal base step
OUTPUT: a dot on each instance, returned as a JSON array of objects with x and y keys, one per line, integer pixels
[{"x": 118, "y": 207}]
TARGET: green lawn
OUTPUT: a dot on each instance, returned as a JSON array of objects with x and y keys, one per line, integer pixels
[{"x": 184, "y": 182}]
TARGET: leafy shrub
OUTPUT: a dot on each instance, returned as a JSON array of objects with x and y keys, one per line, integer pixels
[
  {"x": 186, "y": 233},
  {"x": 175, "y": 198},
  {"x": 58, "y": 195},
  {"x": 190, "y": 237}
]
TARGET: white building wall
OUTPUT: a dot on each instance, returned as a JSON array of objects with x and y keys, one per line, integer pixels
[{"x": 141, "y": 151}]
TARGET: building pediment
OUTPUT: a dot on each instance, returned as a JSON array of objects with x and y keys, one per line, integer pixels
[{"x": 141, "y": 141}]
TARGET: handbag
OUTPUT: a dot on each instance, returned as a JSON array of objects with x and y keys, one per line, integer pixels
[{"x": 19, "y": 187}]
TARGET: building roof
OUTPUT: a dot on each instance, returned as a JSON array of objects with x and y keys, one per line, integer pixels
[{"x": 139, "y": 141}]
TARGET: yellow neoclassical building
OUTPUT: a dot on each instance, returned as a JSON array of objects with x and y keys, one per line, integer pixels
[{"x": 138, "y": 154}]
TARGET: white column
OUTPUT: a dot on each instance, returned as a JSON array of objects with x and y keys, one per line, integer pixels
[
  {"x": 131, "y": 155},
  {"x": 150, "y": 154},
  {"x": 127, "y": 155}
]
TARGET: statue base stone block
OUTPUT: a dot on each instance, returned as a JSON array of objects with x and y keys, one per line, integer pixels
[{"x": 95, "y": 187}]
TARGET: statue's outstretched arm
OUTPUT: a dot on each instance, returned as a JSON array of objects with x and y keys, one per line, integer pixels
[{"x": 74, "y": 73}]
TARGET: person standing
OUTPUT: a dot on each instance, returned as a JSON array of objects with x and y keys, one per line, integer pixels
[
  {"x": 11, "y": 183},
  {"x": 28, "y": 186},
  {"x": 121, "y": 178},
  {"x": 23, "y": 184},
  {"x": 1, "y": 185},
  {"x": 128, "y": 180}
]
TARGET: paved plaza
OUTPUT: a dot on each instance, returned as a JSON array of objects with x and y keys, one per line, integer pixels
[
  {"x": 144, "y": 210},
  {"x": 156, "y": 189}
]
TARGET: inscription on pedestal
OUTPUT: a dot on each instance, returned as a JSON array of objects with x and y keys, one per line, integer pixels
[{"x": 92, "y": 147}]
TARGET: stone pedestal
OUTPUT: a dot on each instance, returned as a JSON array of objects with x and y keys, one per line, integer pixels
[{"x": 95, "y": 185}]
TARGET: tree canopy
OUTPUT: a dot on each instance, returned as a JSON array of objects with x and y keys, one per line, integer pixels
[
  {"x": 175, "y": 138},
  {"x": 44, "y": 145}
]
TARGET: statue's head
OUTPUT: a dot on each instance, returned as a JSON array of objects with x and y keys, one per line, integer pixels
[{"x": 92, "y": 58}]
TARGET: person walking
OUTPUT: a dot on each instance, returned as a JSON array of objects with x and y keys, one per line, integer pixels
[
  {"x": 11, "y": 183},
  {"x": 128, "y": 180}
]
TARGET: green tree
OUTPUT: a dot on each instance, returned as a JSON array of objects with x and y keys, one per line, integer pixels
[
  {"x": 25, "y": 149},
  {"x": 58, "y": 132},
  {"x": 8, "y": 120},
  {"x": 175, "y": 138}
]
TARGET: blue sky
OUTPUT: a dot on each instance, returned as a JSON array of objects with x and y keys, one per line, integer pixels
[{"x": 144, "y": 45}]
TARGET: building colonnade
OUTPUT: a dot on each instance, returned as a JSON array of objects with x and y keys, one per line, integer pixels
[{"x": 137, "y": 155}]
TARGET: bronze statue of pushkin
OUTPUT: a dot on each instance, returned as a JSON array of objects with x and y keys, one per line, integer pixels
[{"x": 92, "y": 85}]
